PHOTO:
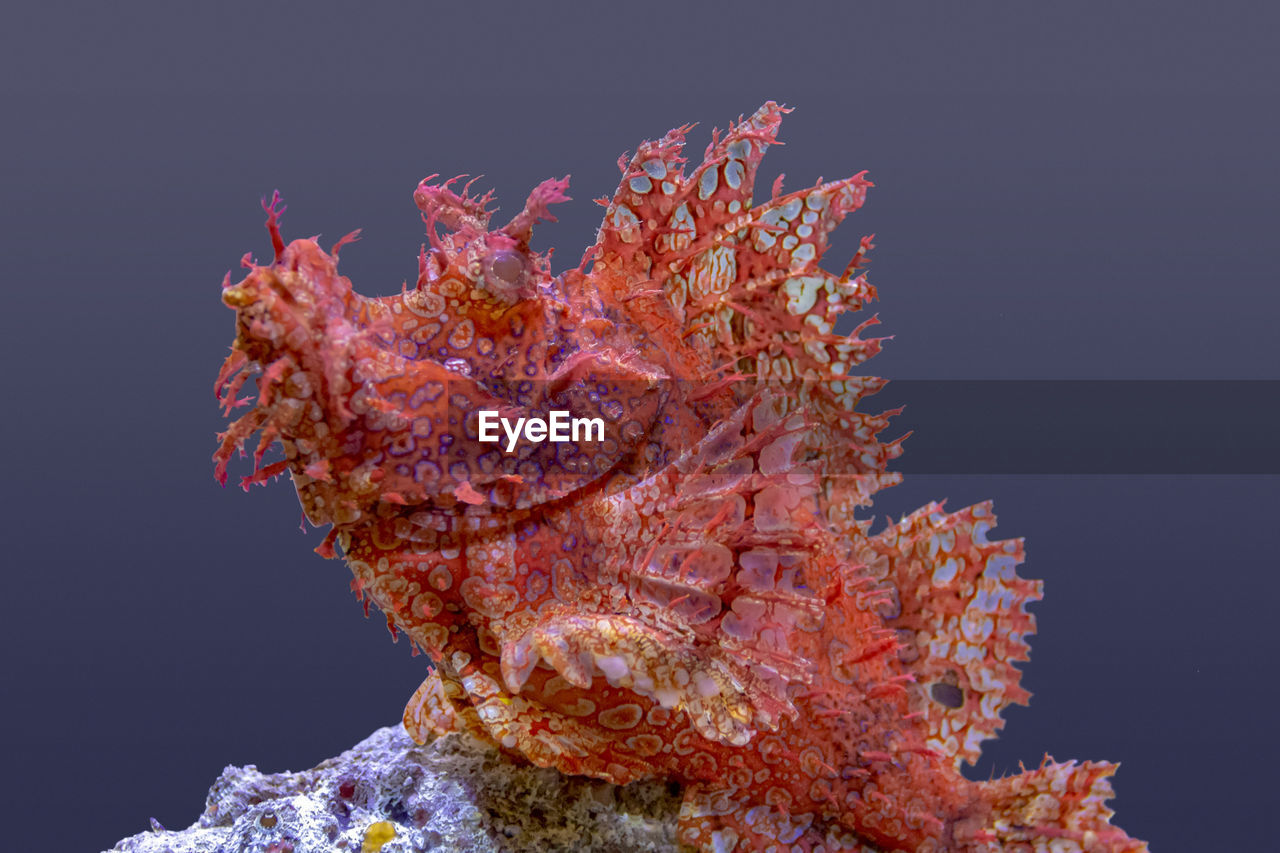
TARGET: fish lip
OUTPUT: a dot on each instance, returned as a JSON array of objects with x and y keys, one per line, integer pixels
[{"x": 237, "y": 297}]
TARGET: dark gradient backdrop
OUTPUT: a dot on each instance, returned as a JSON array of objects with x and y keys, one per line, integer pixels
[{"x": 1079, "y": 191}]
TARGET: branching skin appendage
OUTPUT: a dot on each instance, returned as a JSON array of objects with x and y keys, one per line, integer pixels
[{"x": 688, "y": 596}]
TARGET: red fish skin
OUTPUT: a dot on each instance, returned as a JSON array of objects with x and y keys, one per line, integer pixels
[{"x": 691, "y": 596}]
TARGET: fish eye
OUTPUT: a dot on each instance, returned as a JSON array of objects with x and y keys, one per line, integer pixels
[
  {"x": 506, "y": 265},
  {"x": 947, "y": 695}
]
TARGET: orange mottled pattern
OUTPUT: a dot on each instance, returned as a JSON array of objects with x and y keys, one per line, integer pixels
[{"x": 688, "y": 593}]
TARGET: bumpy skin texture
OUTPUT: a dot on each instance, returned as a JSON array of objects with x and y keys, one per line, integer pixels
[{"x": 691, "y": 597}]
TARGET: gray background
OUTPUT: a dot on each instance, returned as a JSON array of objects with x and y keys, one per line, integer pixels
[{"x": 1064, "y": 191}]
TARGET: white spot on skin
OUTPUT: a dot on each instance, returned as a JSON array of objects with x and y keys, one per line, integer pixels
[
  {"x": 668, "y": 188},
  {"x": 973, "y": 740},
  {"x": 999, "y": 567},
  {"x": 621, "y": 717},
  {"x": 983, "y": 680},
  {"x": 678, "y": 291},
  {"x": 985, "y": 601},
  {"x": 424, "y": 303},
  {"x": 624, "y": 222},
  {"x": 966, "y": 654},
  {"x": 733, "y": 174},
  {"x": 707, "y": 183},
  {"x": 782, "y": 369},
  {"x": 641, "y": 184},
  {"x": 492, "y": 712},
  {"x": 804, "y": 254},
  {"x": 462, "y": 335},
  {"x": 739, "y": 149},
  {"x": 713, "y": 271},
  {"x": 823, "y": 328},
  {"x": 975, "y": 627},
  {"x": 802, "y": 293},
  {"x": 656, "y": 168},
  {"x": 790, "y": 241},
  {"x": 803, "y": 231},
  {"x": 724, "y": 841},
  {"x": 944, "y": 574},
  {"x": 581, "y": 707},
  {"x": 944, "y": 540},
  {"x": 791, "y": 833},
  {"x": 790, "y": 210},
  {"x": 680, "y": 228}
]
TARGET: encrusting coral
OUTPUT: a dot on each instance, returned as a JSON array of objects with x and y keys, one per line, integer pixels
[
  {"x": 687, "y": 594},
  {"x": 389, "y": 795}
]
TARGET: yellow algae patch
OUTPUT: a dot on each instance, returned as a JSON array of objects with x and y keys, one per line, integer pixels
[{"x": 377, "y": 835}]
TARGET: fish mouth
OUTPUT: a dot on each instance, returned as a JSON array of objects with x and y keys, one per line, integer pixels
[{"x": 237, "y": 297}]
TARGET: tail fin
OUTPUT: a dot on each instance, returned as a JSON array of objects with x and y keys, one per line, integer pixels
[{"x": 1055, "y": 807}]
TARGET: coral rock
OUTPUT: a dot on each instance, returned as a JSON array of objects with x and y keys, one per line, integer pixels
[{"x": 391, "y": 795}]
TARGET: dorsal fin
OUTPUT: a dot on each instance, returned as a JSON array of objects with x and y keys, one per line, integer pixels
[
  {"x": 732, "y": 290},
  {"x": 959, "y": 609},
  {"x": 657, "y": 212}
]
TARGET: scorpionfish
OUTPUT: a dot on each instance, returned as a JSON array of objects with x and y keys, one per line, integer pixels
[{"x": 689, "y": 595}]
